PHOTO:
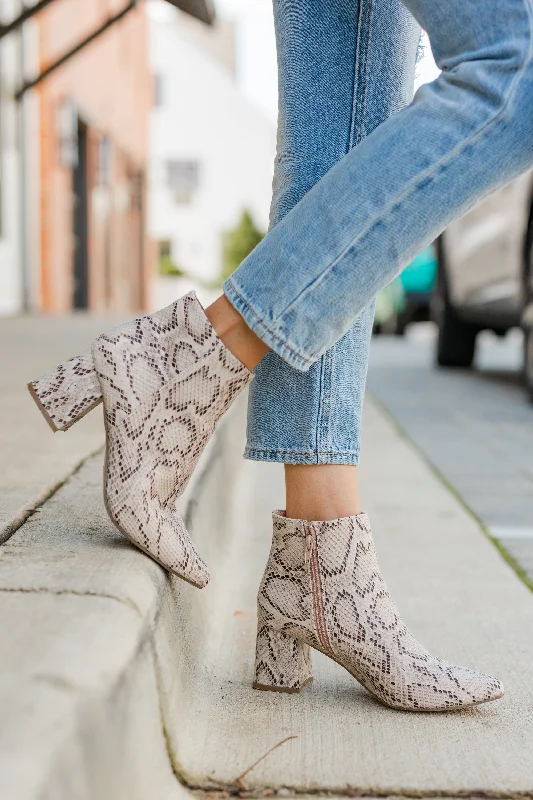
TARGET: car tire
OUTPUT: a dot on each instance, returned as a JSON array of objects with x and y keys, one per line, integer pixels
[
  {"x": 402, "y": 321},
  {"x": 456, "y": 339},
  {"x": 528, "y": 361}
]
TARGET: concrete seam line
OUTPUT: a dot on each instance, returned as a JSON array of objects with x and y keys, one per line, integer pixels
[
  {"x": 504, "y": 553},
  {"x": 73, "y": 593},
  {"x": 18, "y": 521}
]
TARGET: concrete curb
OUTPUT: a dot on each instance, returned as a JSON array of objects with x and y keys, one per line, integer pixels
[
  {"x": 90, "y": 645},
  {"x": 116, "y": 678},
  {"x": 30, "y": 504},
  {"x": 35, "y": 463}
]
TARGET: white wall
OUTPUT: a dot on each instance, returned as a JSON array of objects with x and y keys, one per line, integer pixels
[
  {"x": 204, "y": 117},
  {"x": 12, "y": 262}
]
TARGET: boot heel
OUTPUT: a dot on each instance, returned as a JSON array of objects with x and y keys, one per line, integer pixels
[
  {"x": 68, "y": 392},
  {"x": 282, "y": 664}
]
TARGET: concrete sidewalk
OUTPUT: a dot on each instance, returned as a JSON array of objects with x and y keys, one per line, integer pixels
[
  {"x": 475, "y": 426},
  {"x": 120, "y": 683},
  {"x": 33, "y": 462},
  {"x": 457, "y": 594}
]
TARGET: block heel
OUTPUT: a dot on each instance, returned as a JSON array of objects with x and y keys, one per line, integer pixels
[
  {"x": 282, "y": 663},
  {"x": 65, "y": 394}
]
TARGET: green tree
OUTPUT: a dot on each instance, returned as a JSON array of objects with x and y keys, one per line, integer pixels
[
  {"x": 167, "y": 265},
  {"x": 239, "y": 242}
]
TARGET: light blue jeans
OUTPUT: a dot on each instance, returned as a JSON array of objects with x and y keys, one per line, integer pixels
[
  {"x": 464, "y": 135},
  {"x": 344, "y": 67}
]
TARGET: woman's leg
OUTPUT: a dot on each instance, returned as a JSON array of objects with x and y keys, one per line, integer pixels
[
  {"x": 321, "y": 491},
  {"x": 344, "y": 68},
  {"x": 464, "y": 135}
]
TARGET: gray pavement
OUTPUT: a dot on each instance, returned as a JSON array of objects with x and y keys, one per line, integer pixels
[
  {"x": 475, "y": 427},
  {"x": 33, "y": 461},
  {"x": 456, "y": 593}
]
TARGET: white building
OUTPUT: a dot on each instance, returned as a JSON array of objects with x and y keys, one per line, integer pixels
[
  {"x": 212, "y": 150},
  {"x": 19, "y": 239}
]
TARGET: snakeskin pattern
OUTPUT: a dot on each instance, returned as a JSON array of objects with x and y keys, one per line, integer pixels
[
  {"x": 282, "y": 663},
  {"x": 67, "y": 393},
  {"x": 166, "y": 379},
  {"x": 362, "y": 628},
  {"x": 285, "y": 613}
]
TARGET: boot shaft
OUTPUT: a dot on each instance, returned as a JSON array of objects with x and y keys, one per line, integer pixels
[
  {"x": 138, "y": 358},
  {"x": 308, "y": 562}
]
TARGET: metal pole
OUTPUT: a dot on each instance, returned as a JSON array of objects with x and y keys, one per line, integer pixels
[
  {"x": 76, "y": 49},
  {"x": 27, "y": 13}
]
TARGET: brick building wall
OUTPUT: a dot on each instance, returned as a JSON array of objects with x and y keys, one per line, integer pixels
[{"x": 93, "y": 205}]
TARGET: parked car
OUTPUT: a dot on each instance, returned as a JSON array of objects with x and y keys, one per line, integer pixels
[
  {"x": 407, "y": 298},
  {"x": 485, "y": 276}
]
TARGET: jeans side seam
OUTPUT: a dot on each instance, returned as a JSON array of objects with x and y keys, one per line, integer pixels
[
  {"x": 323, "y": 415},
  {"x": 429, "y": 173},
  {"x": 355, "y": 134},
  {"x": 362, "y": 46}
]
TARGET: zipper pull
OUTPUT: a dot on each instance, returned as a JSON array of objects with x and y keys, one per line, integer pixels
[{"x": 309, "y": 543}]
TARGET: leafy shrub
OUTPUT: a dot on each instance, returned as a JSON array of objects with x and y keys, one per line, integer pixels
[{"x": 239, "y": 243}]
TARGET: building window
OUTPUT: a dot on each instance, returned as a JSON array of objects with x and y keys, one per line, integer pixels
[
  {"x": 159, "y": 84},
  {"x": 183, "y": 179}
]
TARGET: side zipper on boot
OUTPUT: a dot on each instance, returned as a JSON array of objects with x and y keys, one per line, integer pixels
[{"x": 311, "y": 557}]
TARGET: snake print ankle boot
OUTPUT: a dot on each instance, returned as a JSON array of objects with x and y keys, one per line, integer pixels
[
  {"x": 322, "y": 588},
  {"x": 165, "y": 380}
]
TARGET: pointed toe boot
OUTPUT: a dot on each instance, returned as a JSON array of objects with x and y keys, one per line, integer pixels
[
  {"x": 165, "y": 380},
  {"x": 323, "y": 589}
]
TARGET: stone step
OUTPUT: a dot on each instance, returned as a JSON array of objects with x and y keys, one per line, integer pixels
[{"x": 119, "y": 682}]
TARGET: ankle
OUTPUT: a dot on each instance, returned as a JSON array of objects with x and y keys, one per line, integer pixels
[
  {"x": 319, "y": 492},
  {"x": 233, "y": 331},
  {"x": 322, "y": 513}
]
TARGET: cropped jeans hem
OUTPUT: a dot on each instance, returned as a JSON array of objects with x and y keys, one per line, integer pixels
[
  {"x": 255, "y": 322},
  {"x": 350, "y": 457}
]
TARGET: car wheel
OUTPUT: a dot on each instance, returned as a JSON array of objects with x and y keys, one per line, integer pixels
[
  {"x": 528, "y": 361},
  {"x": 390, "y": 325},
  {"x": 456, "y": 340},
  {"x": 402, "y": 321}
]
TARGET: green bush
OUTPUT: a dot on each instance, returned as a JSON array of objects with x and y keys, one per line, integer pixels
[
  {"x": 239, "y": 242},
  {"x": 168, "y": 267}
]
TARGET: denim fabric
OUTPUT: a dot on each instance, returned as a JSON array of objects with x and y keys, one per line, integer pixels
[
  {"x": 344, "y": 68},
  {"x": 464, "y": 135}
]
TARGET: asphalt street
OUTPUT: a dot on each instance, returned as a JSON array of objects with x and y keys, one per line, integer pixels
[{"x": 475, "y": 427}]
